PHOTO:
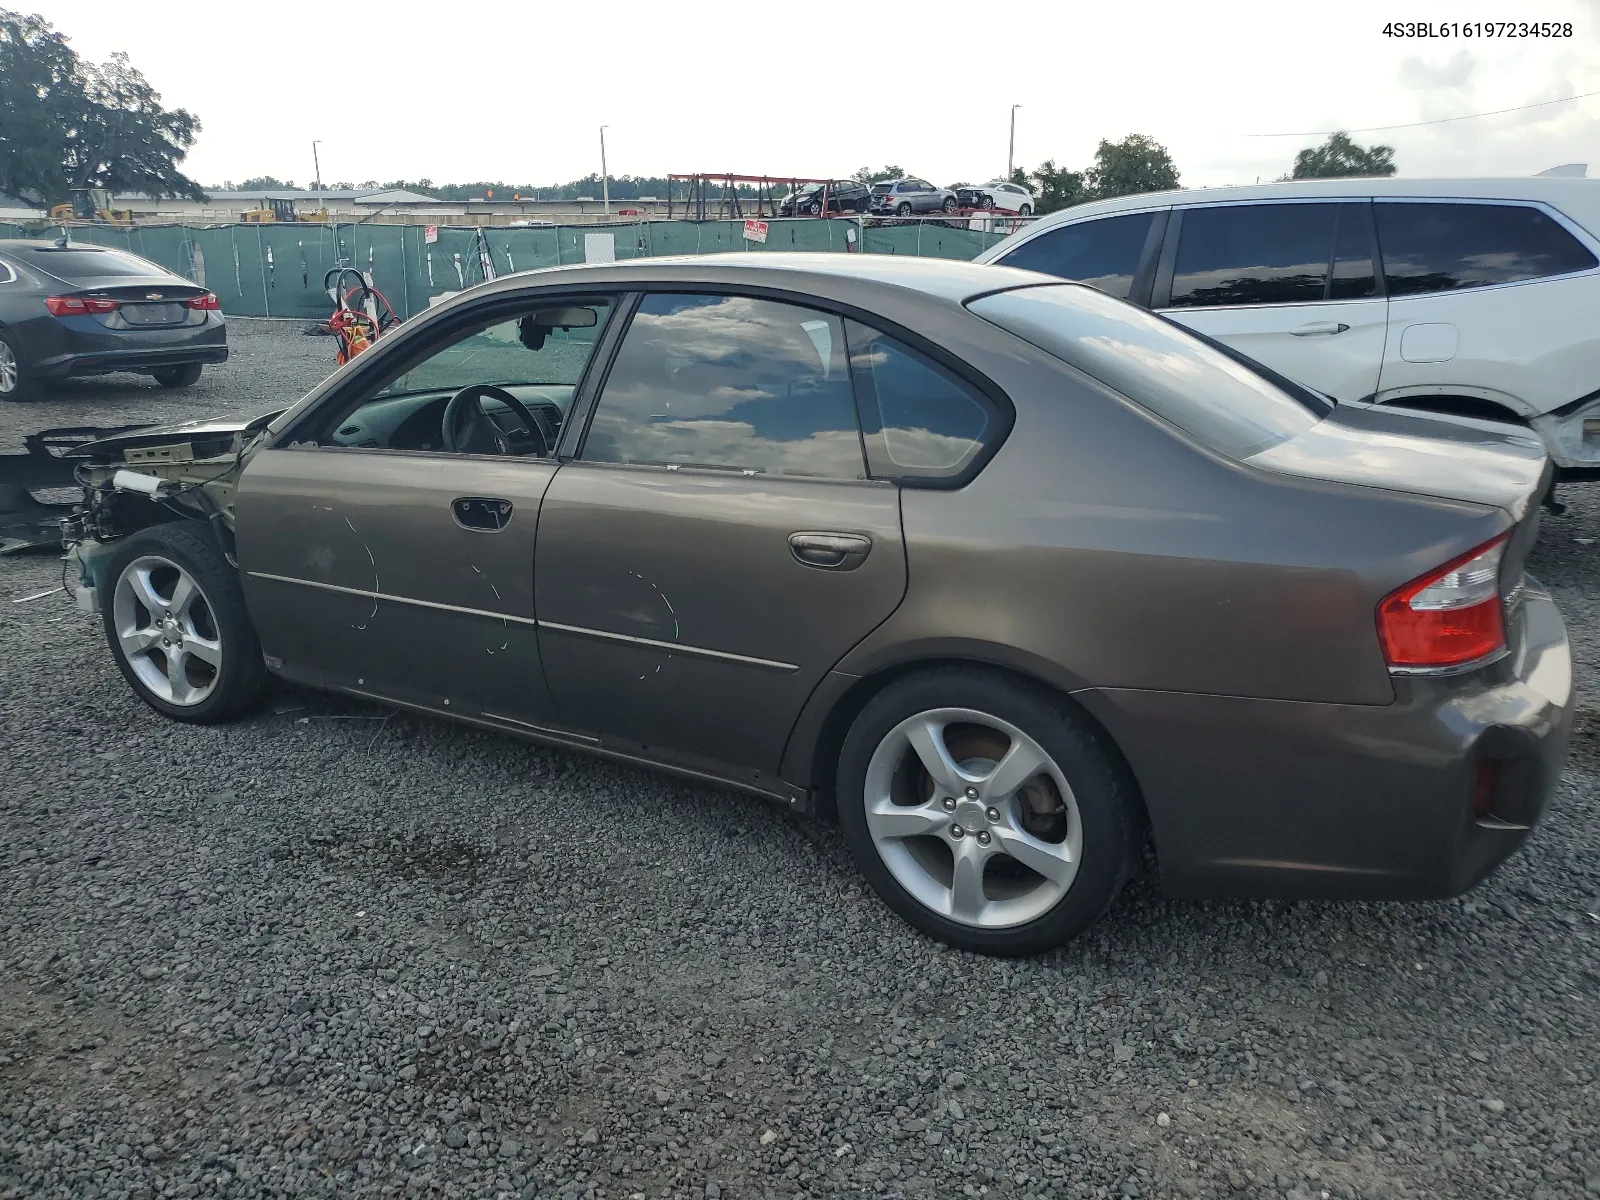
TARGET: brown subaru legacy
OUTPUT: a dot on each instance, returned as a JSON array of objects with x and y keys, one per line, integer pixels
[{"x": 1007, "y": 574}]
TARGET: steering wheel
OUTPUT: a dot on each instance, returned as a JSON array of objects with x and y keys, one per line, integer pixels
[{"x": 468, "y": 429}]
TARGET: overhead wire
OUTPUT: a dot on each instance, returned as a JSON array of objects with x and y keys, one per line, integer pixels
[{"x": 1434, "y": 121}]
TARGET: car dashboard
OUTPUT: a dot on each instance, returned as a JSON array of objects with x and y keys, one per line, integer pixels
[{"x": 414, "y": 421}]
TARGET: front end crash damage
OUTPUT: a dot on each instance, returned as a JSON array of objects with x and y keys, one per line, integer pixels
[{"x": 129, "y": 478}]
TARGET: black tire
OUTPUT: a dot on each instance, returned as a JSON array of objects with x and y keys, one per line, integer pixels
[
  {"x": 241, "y": 678},
  {"x": 21, "y": 386},
  {"x": 813, "y": 208},
  {"x": 1025, "y": 211},
  {"x": 949, "y": 204},
  {"x": 903, "y": 209},
  {"x": 176, "y": 377},
  {"x": 1101, "y": 789}
]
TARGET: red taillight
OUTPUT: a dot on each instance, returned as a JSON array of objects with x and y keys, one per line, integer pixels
[
  {"x": 77, "y": 306},
  {"x": 1450, "y": 616},
  {"x": 208, "y": 302}
]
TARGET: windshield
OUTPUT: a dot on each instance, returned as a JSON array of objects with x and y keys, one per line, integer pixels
[{"x": 1157, "y": 364}]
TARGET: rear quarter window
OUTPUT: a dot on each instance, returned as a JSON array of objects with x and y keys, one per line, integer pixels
[{"x": 1155, "y": 363}]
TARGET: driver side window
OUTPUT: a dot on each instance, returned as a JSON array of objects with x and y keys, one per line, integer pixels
[{"x": 509, "y": 373}]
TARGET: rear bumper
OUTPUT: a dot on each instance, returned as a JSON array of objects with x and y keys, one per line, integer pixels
[
  {"x": 101, "y": 362},
  {"x": 82, "y": 346},
  {"x": 1273, "y": 798}
]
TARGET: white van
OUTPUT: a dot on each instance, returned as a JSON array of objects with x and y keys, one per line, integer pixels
[{"x": 1478, "y": 297}]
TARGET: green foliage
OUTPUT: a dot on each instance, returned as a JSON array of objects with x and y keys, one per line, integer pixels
[
  {"x": 867, "y": 175},
  {"x": 66, "y": 123},
  {"x": 1341, "y": 158},
  {"x": 1136, "y": 164},
  {"x": 1018, "y": 177},
  {"x": 1053, "y": 187},
  {"x": 265, "y": 183}
]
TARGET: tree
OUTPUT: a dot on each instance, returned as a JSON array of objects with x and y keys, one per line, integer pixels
[
  {"x": 1137, "y": 163},
  {"x": 867, "y": 175},
  {"x": 265, "y": 183},
  {"x": 1341, "y": 158},
  {"x": 41, "y": 98},
  {"x": 1053, "y": 187},
  {"x": 68, "y": 124}
]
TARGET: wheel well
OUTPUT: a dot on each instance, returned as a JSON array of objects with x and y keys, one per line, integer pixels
[
  {"x": 830, "y": 742},
  {"x": 1460, "y": 406}
]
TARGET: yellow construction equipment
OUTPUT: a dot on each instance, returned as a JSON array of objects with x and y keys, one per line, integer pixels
[
  {"x": 274, "y": 211},
  {"x": 91, "y": 204}
]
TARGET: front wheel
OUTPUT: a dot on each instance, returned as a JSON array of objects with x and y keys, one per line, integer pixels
[
  {"x": 1025, "y": 211},
  {"x": 985, "y": 811},
  {"x": 949, "y": 204},
  {"x": 176, "y": 622},
  {"x": 176, "y": 377}
]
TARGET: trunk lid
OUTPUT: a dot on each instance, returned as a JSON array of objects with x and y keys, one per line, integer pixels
[
  {"x": 1457, "y": 458},
  {"x": 150, "y": 304}
]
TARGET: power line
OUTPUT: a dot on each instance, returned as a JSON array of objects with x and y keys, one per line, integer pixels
[{"x": 1436, "y": 121}]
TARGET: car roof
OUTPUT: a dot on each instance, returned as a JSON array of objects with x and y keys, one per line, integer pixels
[
  {"x": 951, "y": 280},
  {"x": 1578, "y": 198}
]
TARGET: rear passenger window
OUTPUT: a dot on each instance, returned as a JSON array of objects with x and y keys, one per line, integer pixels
[
  {"x": 919, "y": 420},
  {"x": 1253, "y": 254},
  {"x": 1440, "y": 247},
  {"x": 1104, "y": 254},
  {"x": 730, "y": 383}
]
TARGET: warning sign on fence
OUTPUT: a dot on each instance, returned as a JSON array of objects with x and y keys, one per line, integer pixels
[
  {"x": 430, "y": 234},
  {"x": 755, "y": 231}
]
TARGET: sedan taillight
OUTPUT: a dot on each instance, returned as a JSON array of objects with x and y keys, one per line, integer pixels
[
  {"x": 1448, "y": 617},
  {"x": 77, "y": 306},
  {"x": 207, "y": 303}
]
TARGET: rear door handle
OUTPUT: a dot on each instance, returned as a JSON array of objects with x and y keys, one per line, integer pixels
[
  {"x": 483, "y": 514},
  {"x": 830, "y": 551},
  {"x": 1322, "y": 328}
]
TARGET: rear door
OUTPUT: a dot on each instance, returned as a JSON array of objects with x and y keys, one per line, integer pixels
[
  {"x": 1291, "y": 284},
  {"x": 716, "y": 546},
  {"x": 1492, "y": 300}
]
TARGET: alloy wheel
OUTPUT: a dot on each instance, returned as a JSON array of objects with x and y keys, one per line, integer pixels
[
  {"x": 9, "y": 371},
  {"x": 973, "y": 818},
  {"x": 167, "y": 630}
]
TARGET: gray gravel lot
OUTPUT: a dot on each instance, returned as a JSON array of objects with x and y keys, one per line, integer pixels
[{"x": 325, "y": 951}]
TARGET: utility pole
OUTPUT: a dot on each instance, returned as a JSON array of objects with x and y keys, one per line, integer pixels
[
  {"x": 318, "y": 164},
  {"x": 605, "y": 177},
  {"x": 1011, "y": 148}
]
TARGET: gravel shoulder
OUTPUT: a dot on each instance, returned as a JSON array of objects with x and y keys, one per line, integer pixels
[{"x": 329, "y": 950}]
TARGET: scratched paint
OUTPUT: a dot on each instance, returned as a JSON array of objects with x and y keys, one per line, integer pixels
[
  {"x": 376, "y": 586},
  {"x": 504, "y": 624},
  {"x": 670, "y": 612}
]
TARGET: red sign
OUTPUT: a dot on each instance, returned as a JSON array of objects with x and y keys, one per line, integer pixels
[
  {"x": 430, "y": 234},
  {"x": 755, "y": 231}
]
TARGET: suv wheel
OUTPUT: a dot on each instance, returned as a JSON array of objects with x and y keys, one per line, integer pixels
[
  {"x": 1025, "y": 211},
  {"x": 176, "y": 622},
  {"x": 903, "y": 209},
  {"x": 984, "y": 811},
  {"x": 14, "y": 382},
  {"x": 949, "y": 204}
]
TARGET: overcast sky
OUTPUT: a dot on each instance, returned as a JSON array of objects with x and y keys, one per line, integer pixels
[{"x": 821, "y": 90}]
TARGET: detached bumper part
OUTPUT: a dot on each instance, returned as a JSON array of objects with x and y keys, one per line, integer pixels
[{"x": 1572, "y": 434}]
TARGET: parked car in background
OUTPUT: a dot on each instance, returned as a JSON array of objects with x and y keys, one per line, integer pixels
[
  {"x": 1470, "y": 297},
  {"x": 998, "y": 194},
  {"x": 1000, "y": 569},
  {"x": 843, "y": 196},
  {"x": 75, "y": 309},
  {"x": 902, "y": 197}
]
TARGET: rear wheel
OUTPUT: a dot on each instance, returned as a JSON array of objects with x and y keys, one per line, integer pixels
[
  {"x": 14, "y": 381},
  {"x": 177, "y": 377},
  {"x": 177, "y": 625},
  {"x": 985, "y": 811},
  {"x": 903, "y": 209}
]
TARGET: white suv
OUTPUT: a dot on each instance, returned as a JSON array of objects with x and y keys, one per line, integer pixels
[{"x": 1478, "y": 297}]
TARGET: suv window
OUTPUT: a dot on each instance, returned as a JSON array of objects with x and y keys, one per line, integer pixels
[
  {"x": 1253, "y": 254},
  {"x": 1156, "y": 364},
  {"x": 85, "y": 263},
  {"x": 730, "y": 383},
  {"x": 1440, "y": 247},
  {"x": 1103, "y": 253},
  {"x": 918, "y": 420}
]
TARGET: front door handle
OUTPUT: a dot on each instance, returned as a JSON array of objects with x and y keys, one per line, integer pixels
[
  {"x": 830, "y": 551},
  {"x": 482, "y": 514},
  {"x": 1319, "y": 328}
]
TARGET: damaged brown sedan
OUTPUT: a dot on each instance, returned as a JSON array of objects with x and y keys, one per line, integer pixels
[{"x": 1005, "y": 572}]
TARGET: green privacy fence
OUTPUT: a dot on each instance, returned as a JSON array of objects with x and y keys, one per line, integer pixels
[{"x": 277, "y": 270}]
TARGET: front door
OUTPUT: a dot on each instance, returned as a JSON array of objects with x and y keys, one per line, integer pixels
[
  {"x": 716, "y": 547},
  {"x": 388, "y": 554},
  {"x": 1290, "y": 285}
]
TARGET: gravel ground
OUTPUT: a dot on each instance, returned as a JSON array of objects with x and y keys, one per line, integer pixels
[{"x": 325, "y": 951}]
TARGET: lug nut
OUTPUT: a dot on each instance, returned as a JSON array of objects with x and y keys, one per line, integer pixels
[
  {"x": 957, "y": 832},
  {"x": 972, "y": 793},
  {"x": 983, "y": 837},
  {"x": 992, "y": 813},
  {"x": 948, "y": 804}
]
